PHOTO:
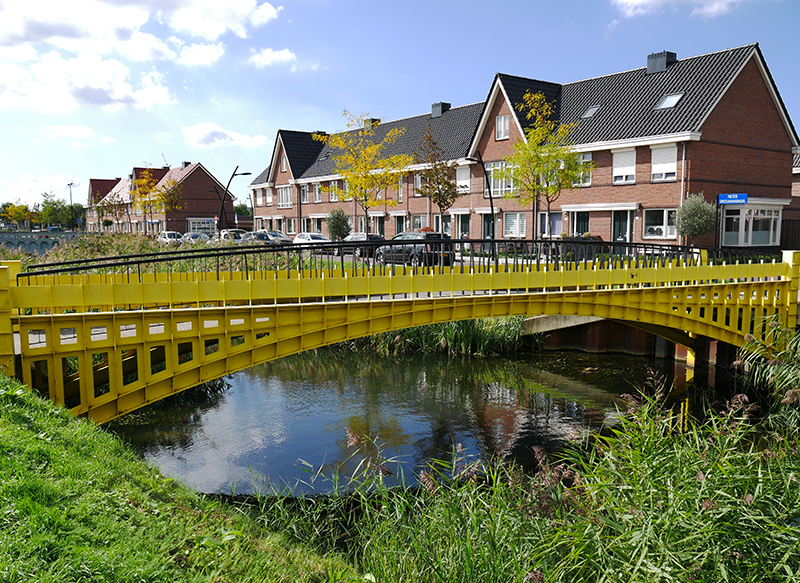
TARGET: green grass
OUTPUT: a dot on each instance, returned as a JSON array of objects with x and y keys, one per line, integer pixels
[{"x": 77, "y": 505}]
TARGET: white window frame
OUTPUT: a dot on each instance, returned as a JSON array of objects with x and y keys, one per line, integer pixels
[
  {"x": 554, "y": 217},
  {"x": 624, "y": 166},
  {"x": 418, "y": 222},
  {"x": 346, "y": 190},
  {"x": 291, "y": 226},
  {"x": 268, "y": 197},
  {"x": 498, "y": 188},
  {"x": 586, "y": 176},
  {"x": 400, "y": 189},
  {"x": 502, "y": 125},
  {"x": 283, "y": 163},
  {"x": 417, "y": 183},
  {"x": 303, "y": 194},
  {"x": 745, "y": 218},
  {"x": 284, "y": 197},
  {"x": 669, "y": 101},
  {"x": 664, "y": 163},
  {"x": 333, "y": 193},
  {"x": 462, "y": 179},
  {"x": 573, "y": 223},
  {"x": 317, "y": 193},
  {"x": 662, "y": 229},
  {"x": 514, "y": 225}
]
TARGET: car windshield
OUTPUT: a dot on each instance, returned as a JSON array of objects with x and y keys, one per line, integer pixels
[
  {"x": 277, "y": 234},
  {"x": 317, "y": 237}
]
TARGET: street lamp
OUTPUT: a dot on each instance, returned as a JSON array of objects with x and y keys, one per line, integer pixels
[
  {"x": 222, "y": 197},
  {"x": 488, "y": 182},
  {"x": 71, "y": 209}
]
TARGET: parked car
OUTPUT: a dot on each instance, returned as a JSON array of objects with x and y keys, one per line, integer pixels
[
  {"x": 364, "y": 249},
  {"x": 257, "y": 238},
  {"x": 229, "y": 236},
  {"x": 305, "y": 239},
  {"x": 278, "y": 237},
  {"x": 194, "y": 238},
  {"x": 169, "y": 238},
  {"x": 417, "y": 248}
]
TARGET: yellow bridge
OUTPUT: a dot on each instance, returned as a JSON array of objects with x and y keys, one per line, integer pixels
[{"x": 107, "y": 339}]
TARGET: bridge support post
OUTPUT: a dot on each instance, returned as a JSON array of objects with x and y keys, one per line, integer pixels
[
  {"x": 6, "y": 329},
  {"x": 697, "y": 361}
]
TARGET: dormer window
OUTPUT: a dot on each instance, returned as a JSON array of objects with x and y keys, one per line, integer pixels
[
  {"x": 669, "y": 101},
  {"x": 590, "y": 112}
]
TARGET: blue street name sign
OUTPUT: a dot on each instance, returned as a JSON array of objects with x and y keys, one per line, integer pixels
[{"x": 732, "y": 198}]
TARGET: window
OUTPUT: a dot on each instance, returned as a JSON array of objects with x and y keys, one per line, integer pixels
[
  {"x": 305, "y": 225},
  {"x": 590, "y": 112},
  {"x": 400, "y": 191},
  {"x": 346, "y": 190},
  {"x": 317, "y": 193},
  {"x": 418, "y": 221},
  {"x": 669, "y": 101},
  {"x": 284, "y": 197},
  {"x": 499, "y": 186},
  {"x": 555, "y": 224},
  {"x": 418, "y": 182},
  {"x": 291, "y": 225},
  {"x": 441, "y": 224},
  {"x": 333, "y": 193},
  {"x": 259, "y": 196},
  {"x": 268, "y": 196},
  {"x": 462, "y": 179},
  {"x": 501, "y": 127},
  {"x": 304, "y": 194},
  {"x": 578, "y": 223},
  {"x": 401, "y": 224},
  {"x": 624, "y": 167},
  {"x": 664, "y": 163},
  {"x": 514, "y": 225},
  {"x": 283, "y": 163},
  {"x": 660, "y": 224},
  {"x": 586, "y": 177},
  {"x": 751, "y": 226}
]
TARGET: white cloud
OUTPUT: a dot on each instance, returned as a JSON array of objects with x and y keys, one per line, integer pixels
[
  {"x": 18, "y": 54},
  {"x": 267, "y": 57},
  {"x": 211, "y": 19},
  {"x": 69, "y": 131},
  {"x": 77, "y": 145},
  {"x": 199, "y": 54},
  {"x": 703, "y": 8},
  {"x": 58, "y": 85},
  {"x": 211, "y": 135},
  {"x": 29, "y": 188}
]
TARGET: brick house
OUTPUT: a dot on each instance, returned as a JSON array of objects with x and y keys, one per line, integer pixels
[
  {"x": 714, "y": 124},
  {"x": 114, "y": 200}
]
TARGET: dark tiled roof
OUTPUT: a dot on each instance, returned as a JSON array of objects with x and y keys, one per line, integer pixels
[
  {"x": 301, "y": 150},
  {"x": 263, "y": 177},
  {"x": 452, "y": 131},
  {"x": 517, "y": 87}
]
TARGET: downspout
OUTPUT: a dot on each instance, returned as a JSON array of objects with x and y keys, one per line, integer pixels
[{"x": 683, "y": 182}]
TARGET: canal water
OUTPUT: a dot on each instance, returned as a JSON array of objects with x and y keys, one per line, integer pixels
[{"x": 283, "y": 425}]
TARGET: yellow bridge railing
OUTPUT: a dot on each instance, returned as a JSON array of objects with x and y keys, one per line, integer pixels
[{"x": 104, "y": 344}]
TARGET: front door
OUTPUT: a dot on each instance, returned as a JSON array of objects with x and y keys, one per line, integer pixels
[{"x": 621, "y": 229}]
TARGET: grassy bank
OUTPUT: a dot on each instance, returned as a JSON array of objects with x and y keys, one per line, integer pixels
[{"x": 77, "y": 505}]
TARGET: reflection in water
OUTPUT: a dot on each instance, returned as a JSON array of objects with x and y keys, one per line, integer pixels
[{"x": 419, "y": 407}]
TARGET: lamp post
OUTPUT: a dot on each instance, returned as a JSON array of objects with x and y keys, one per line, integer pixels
[
  {"x": 223, "y": 222},
  {"x": 488, "y": 182},
  {"x": 71, "y": 210}
]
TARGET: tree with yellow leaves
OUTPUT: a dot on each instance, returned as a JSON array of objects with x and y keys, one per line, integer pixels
[
  {"x": 144, "y": 195},
  {"x": 359, "y": 156},
  {"x": 543, "y": 164}
]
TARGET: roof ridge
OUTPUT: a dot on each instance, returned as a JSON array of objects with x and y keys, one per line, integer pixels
[{"x": 679, "y": 60}]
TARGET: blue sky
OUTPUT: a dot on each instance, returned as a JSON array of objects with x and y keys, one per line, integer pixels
[{"x": 91, "y": 88}]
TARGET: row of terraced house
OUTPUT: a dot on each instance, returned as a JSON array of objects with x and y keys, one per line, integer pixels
[{"x": 713, "y": 124}]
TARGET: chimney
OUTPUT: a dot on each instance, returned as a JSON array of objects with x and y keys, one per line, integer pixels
[
  {"x": 658, "y": 62},
  {"x": 185, "y": 164},
  {"x": 371, "y": 122},
  {"x": 437, "y": 109}
]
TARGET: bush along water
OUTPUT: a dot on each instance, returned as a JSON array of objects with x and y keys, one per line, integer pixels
[
  {"x": 481, "y": 337},
  {"x": 645, "y": 501}
]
